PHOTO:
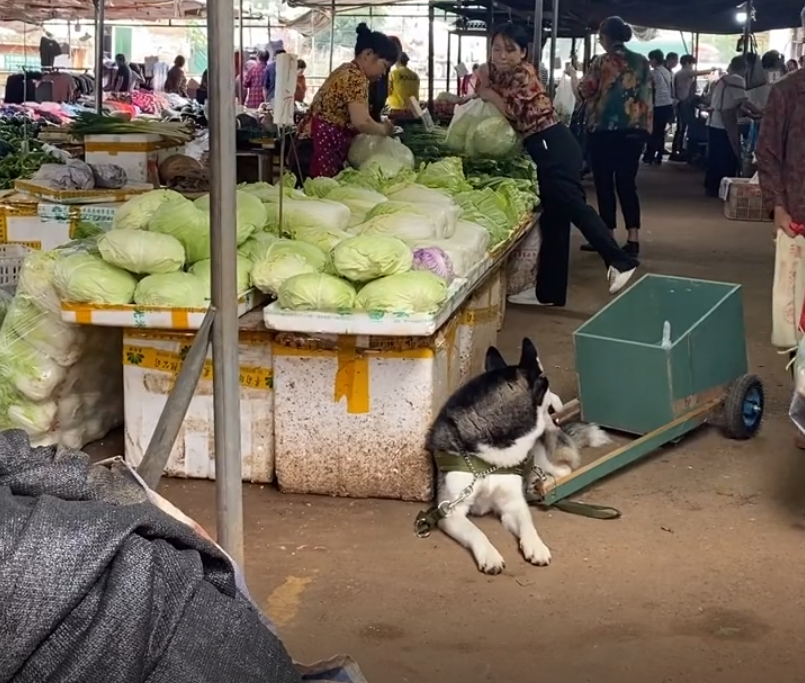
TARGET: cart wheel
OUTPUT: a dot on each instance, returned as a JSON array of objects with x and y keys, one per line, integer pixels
[{"x": 743, "y": 407}]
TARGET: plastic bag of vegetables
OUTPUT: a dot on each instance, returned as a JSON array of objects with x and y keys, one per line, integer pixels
[
  {"x": 33, "y": 374},
  {"x": 317, "y": 292},
  {"x": 417, "y": 291},
  {"x": 367, "y": 257},
  {"x": 388, "y": 155},
  {"x": 141, "y": 252},
  {"x": 87, "y": 278},
  {"x": 478, "y": 129},
  {"x": 172, "y": 290}
]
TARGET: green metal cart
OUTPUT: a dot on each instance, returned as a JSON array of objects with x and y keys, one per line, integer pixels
[{"x": 666, "y": 356}]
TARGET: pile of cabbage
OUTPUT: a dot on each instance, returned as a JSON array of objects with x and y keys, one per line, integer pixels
[
  {"x": 157, "y": 253},
  {"x": 382, "y": 237},
  {"x": 60, "y": 383}
]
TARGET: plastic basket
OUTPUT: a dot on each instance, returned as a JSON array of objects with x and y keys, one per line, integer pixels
[{"x": 11, "y": 259}]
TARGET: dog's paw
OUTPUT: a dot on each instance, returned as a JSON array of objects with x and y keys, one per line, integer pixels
[
  {"x": 490, "y": 561},
  {"x": 536, "y": 552}
]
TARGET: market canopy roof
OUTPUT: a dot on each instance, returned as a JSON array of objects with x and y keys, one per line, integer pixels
[
  {"x": 702, "y": 16},
  {"x": 40, "y": 11}
]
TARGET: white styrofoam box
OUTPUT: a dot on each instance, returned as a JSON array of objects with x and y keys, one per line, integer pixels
[
  {"x": 46, "y": 226},
  {"x": 351, "y": 413},
  {"x": 151, "y": 361},
  {"x": 478, "y": 324},
  {"x": 139, "y": 154},
  {"x": 521, "y": 267},
  {"x": 23, "y": 223}
]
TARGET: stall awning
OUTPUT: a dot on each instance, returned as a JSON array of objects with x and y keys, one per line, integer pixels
[{"x": 40, "y": 11}]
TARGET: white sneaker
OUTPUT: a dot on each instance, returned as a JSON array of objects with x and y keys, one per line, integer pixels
[
  {"x": 528, "y": 297},
  {"x": 618, "y": 278}
]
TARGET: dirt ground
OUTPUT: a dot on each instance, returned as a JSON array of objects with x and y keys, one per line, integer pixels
[{"x": 697, "y": 580}]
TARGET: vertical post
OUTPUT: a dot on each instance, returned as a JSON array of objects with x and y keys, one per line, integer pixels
[
  {"x": 100, "y": 12},
  {"x": 537, "y": 40},
  {"x": 226, "y": 386},
  {"x": 241, "y": 89},
  {"x": 458, "y": 60},
  {"x": 588, "y": 51},
  {"x": 449, "y": 60},
  {"x": 431, "y": 64},
  {"x": 554, "y": 37},
  {"x": 332, "y": 34},
  {"x": 750, "y": 10}
]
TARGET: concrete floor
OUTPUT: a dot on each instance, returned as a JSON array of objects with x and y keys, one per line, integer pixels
[{"x": 697, "y": 581}]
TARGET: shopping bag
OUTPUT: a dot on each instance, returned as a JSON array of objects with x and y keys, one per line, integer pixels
[
  {"x": 464, "y": 116},
  {"x": 788, "y": 291},
  {"x": 564, "y": 102}
]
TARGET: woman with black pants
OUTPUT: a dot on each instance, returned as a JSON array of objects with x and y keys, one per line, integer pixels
[
  {"x": 512, "y": 85},
  {"x": 618, "y": 94}
]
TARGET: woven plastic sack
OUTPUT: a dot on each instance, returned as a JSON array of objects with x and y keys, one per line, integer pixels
[{"x": 788, "y": 290}]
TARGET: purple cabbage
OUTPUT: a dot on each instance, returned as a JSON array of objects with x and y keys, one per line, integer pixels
[{"x": 436, "y": 261}]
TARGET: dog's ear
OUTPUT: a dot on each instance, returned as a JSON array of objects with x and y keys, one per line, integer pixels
[
  {"x": 529, "y": 358},
  {"x": 540, "y": 391},
  {"x": 494, "y": 360}
]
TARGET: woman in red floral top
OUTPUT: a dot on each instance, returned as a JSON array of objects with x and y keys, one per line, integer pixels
[{"x": 512, "y": 85}]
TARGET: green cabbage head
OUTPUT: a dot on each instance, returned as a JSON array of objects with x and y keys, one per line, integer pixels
[
  {"x": 140, "y": 252},
  {"x": 367, "y": 257},
  {"x": 203, "y": 269},
  {"x": 136, "y": 212},
  {"x": 87, "y": 278},
  {"x": 172, "y": 290},
  {"x": 418, "y": 291},
  {"x": 317, "y": 292}
]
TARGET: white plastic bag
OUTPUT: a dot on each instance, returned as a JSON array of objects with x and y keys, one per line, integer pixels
[
  {"x": 788, "y": 290},
  {"x": 564, "y": 102},
  {"x": 464, "y": 118}
]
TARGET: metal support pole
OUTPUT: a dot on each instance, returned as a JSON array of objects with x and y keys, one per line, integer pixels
[
  {"x": 459, "y": 60},
  {"x": 243, "y": 60},
  {"x": 449, "y": 61},
  {"x": 332, "y": 33},
  {"x": 431, "y": 64},
  {"x": 588, "y": 51},
  {"x": 223, "y": 247},
  {"x": 100, "y": 12},
  {"x": 750, "y": 10},
  {"x": 554, "y": 37},
  {"x": 537, "y": 40}
]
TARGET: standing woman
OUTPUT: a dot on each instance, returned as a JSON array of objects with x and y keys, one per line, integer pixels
[
  {"x": 380, "y": 88},
  {"x": 512, "y": 85},
  {"x": 618, "y": 97},
  {"x": 340, "y": 108}
]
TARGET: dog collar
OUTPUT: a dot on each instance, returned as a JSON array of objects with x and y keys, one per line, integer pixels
[{"x": 471, "y": 464}]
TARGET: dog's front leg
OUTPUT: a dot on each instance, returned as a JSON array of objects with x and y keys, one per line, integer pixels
[
  {"x": 516, "y": 517},
  {"x": 459, "y": 527}
]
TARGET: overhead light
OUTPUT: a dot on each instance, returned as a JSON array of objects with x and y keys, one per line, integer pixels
[{"x": 741, "y": 17}]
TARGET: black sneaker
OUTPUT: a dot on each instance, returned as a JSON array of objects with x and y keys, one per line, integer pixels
[{"x": 632, "y": 248}]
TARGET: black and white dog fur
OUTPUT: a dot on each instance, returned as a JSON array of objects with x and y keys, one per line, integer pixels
[{"x": 502, "y": 417}]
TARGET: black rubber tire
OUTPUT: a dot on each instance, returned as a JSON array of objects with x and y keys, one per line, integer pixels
[{"x": 735, "y": 421}]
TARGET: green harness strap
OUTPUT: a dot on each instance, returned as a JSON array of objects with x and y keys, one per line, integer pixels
[{"x": 471, "y": 464}]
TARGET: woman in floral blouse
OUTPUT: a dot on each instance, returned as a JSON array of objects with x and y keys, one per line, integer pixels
[
  {"x": 512, "y": 85},
  {"x": 340, "y": 108},
  {"x": 618, "y": 95}
]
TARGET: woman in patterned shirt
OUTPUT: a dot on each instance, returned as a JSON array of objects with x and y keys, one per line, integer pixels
[
  {"x": 340, "y": 108},
  {"x": 618, "y": 95},
  {"x": 512, "y": 85}
]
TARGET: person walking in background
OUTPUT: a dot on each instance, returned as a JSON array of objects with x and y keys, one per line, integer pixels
[
  {"x": 617, "y": 92},
  {"x": 684, "y": 91},
  {"x": 469, "y": 83},
  {"x": 123, "y": 79},
  {"x": 301, "y": 82},
  {"x": 791, "y": 65},
  {"x": 270, "y": 80},
  {"x": 671, "y": 61},
  {"x": 379, "y": 89},
  {"x": 403, "y": 85},
  {"x": 727, "y": 98},
  {"x": 176, "y": 82},
  {"x": 254, "y": 80},
  {"x": 663, "y": 107},
  {"x": 511, "y": 84}
]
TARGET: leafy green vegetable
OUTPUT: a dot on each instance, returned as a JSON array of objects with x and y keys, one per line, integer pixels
[
  {"x": 136, "y": 212},
  {"x": 172, "y": 290},
  {"x": 446, "y": 174},
  {"x": 203, "y": 270},
  {"x": 417, "y": 291},
  {"x": 141, "y": 252},
  {"x": 317, "y": 292},
  {"x": 366, "y": 257},
  {"x": 87, "y": 278}
]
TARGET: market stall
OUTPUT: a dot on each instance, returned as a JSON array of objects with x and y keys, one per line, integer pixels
[{"x": 388, "y": 284}]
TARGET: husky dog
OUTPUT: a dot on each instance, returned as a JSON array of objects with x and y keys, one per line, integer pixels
[{"x": 493, "y": 420}]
